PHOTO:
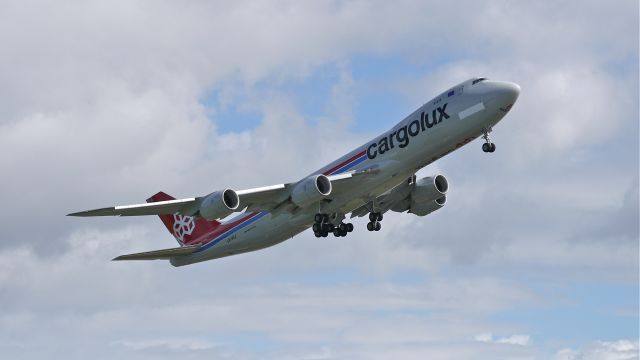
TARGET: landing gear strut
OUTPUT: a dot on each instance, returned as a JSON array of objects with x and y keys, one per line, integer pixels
[
  {"x": 488, "y": 146},
  {"x": 374, "y": 221},
  {"x": 322, "y": 227}
]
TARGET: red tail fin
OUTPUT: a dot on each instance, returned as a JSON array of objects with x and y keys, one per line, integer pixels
[{"x": 186, "y": 229}]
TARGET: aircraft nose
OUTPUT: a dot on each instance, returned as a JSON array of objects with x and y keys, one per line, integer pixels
[{"x": 505, "y": 92}]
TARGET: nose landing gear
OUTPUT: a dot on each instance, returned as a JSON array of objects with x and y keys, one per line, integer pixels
[{"x": 488, "y": 146}]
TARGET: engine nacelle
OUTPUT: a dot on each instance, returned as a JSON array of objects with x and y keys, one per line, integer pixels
[
  {"x": 429, "y": 195},
  {"x": 219, "y": 204},
  {"x": 310, "y": 190},
  {"x": 424, "y": 209}
]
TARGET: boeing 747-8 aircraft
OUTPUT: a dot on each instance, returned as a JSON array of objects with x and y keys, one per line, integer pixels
[{"x": 372, "y": 179}]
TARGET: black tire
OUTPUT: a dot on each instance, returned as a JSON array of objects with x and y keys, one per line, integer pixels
[
  {"x": 336, "y": 232},
  {"x": 378, "y": 226},
  {"x": 372, "y": 216},
  {"x": 349, "y": 227},
  {"x": 324, "y": 234},
  {"x": 379, "y": 217},
  {"x": 492, "y": 148},
  {"x": 318, "y": 218},
  {"x": 342, "y": 227},
  {"x": 370, "y": 226},
  {"x": 317, "y": 234},
  {"x": 316, "y": 227},
  {"x": 486, "y": 147}
]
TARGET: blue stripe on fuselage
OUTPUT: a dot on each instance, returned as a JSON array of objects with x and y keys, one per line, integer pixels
[
  {"x": 231, "y": 231},
  {"x": 263, "y": 213}
]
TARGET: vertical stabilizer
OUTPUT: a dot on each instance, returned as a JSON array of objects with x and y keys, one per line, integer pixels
[{"x": 187, "y": 230}]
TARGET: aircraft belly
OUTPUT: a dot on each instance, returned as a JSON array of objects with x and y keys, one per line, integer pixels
[
  {"x": 263, "y": 233},
  {"x": 409, "y": 160}
]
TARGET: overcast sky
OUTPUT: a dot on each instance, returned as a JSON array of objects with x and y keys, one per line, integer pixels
[{"x": 535, "y": 255}]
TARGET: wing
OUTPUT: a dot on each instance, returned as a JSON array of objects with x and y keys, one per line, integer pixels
[
  {"x": 275, "y": 198},
  {"x": 396, "y": 199}
]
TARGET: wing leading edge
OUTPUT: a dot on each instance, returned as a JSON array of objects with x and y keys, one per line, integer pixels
[{"x": 266, "y": 198}]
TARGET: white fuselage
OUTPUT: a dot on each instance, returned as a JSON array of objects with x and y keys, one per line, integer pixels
[{"x": 440, "y": 126}]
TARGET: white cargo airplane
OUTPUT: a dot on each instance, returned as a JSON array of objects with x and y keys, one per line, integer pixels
[{"x": 374, "y": 178}]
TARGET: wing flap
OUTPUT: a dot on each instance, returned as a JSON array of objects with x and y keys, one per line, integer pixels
[{"x": 163, "y": 254}]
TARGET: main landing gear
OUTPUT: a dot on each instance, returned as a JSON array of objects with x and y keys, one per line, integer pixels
[
  {"x": 322, "y": 227},
  {"x": 374, "y": 221},
  {"x": 488, "y": 146}
]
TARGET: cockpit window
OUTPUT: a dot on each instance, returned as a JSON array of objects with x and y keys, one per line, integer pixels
[{"x": 478, "y": 80}]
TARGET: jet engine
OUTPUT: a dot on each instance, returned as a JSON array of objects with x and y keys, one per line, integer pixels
[
  {"x": 219, "y": 204},
  {"x": 429, "y": 195},
  {"x": 310, "y": 190}
]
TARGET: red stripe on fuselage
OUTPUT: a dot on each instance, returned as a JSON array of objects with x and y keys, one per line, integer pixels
[
  {"x": 220, "y": 230},
  {"x": 329, "y": 172}
]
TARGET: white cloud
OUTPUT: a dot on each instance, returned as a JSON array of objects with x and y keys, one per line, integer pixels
[
  {"x": 102, "y": 104},
  {"x": 521, "y": 340},
  {"x": 603, "y": 350},
  {"x": 175, "y": 344}
]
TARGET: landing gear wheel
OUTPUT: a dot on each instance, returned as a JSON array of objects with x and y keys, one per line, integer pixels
[
  {"x": 374, "y": 223},
  {"x": 488, "y": 146},
  {"x": 322, "y": 227},
  {"x": 375, "y": 216},
  {"x": 349, "y": 227},
  {"x": 374, "y": 226}
]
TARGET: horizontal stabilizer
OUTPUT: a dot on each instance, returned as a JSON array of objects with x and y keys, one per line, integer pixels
[{"x": 164, "y": 254}]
